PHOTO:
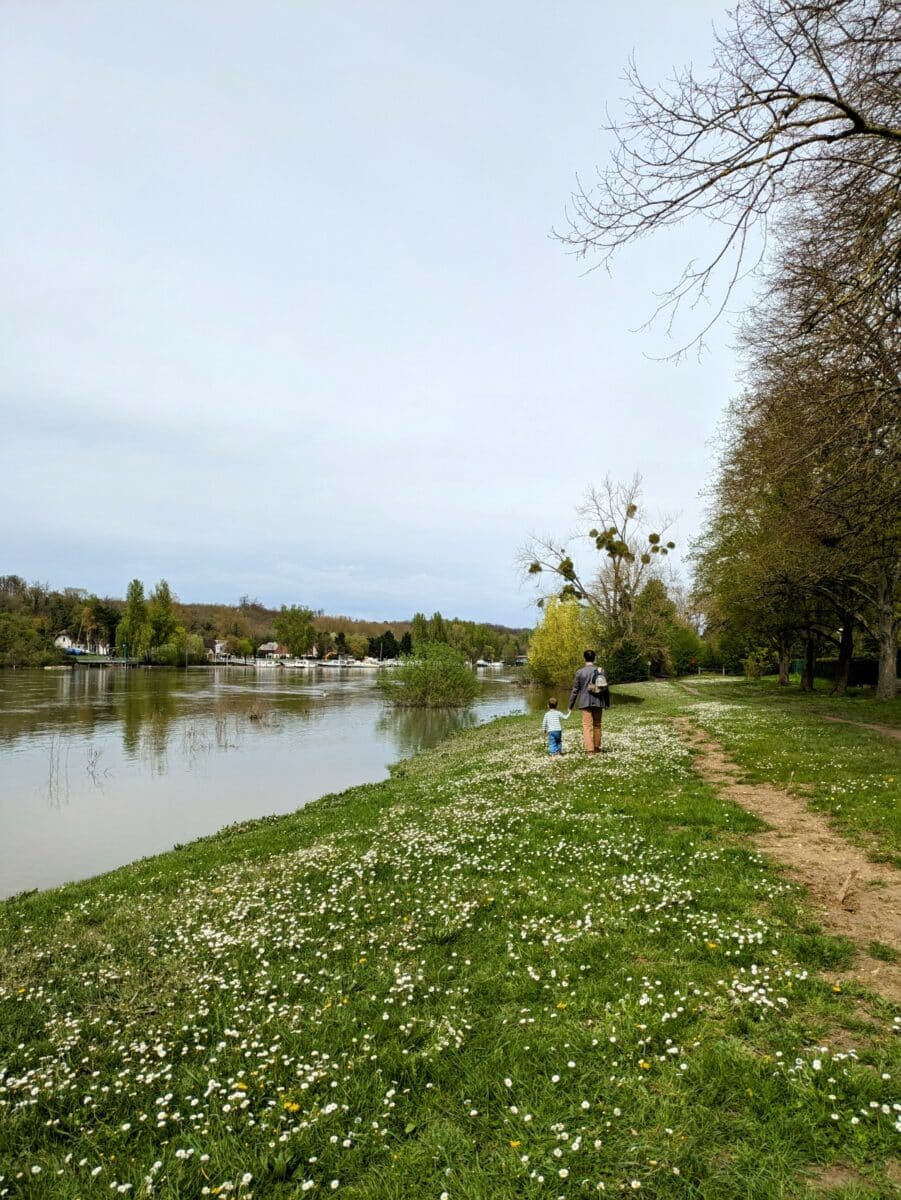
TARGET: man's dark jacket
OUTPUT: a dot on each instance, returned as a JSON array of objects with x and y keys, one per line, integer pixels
[{"x": 580, "y": 696}]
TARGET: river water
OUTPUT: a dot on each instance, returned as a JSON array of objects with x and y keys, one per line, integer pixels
[{"x": 99, "y": 767}]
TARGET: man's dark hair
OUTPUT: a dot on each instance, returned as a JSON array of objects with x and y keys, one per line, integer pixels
[{"x": 589, "y": 656}]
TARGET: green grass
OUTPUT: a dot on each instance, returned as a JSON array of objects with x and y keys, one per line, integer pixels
[
  {"x": 492, "y": 976},
  {"x": 779, "y": 735}
]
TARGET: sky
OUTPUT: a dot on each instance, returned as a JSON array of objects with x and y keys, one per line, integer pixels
[{"x": 281, "y": 312}]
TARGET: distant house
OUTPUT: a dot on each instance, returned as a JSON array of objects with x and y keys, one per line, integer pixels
[
  {"x": 63, "y": 641},
  {"x": 273, "y": 650}
]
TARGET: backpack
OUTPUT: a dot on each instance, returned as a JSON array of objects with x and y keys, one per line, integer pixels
[{"x": 598, "y": 682}]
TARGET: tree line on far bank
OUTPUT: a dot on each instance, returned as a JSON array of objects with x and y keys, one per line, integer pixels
[
  {"x": 295, "y": 628},
  {"x": 157, "y": 627}
]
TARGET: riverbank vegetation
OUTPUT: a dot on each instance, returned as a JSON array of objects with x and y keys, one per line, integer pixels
[
  {"x": 437, "y": 676},
  {"x": 490, "y": 976}
]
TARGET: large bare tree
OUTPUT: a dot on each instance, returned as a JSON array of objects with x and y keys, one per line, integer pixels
[
  {"x": 802, "y": 107},
  {"x": 611, "y": 523}
]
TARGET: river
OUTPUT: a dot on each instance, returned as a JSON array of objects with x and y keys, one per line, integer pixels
[{"x": 99, "y": 767}]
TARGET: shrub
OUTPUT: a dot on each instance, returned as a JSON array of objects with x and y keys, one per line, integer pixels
[{"x": 438, "y": 677}]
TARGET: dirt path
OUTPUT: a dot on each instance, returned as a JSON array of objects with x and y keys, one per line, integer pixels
[
  {"x": 888, "y": 730},
  {"x": 856, "y": 898}
]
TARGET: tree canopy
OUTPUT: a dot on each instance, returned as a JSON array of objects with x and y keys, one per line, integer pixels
[{"x": 801, "y": 104}]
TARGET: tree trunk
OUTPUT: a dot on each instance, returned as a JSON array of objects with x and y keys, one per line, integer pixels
[
  {"x": 810, "y": 662},
  {"x": 887, "y": 684},
  {"x": 783, "y": 664},
  {"x": 845, "y": 649}
]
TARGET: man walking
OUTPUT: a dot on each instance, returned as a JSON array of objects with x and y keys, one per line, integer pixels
[{"x": 590, "y": 694}]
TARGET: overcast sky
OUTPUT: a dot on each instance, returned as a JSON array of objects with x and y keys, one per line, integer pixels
[{"x": 280, "y": 309}]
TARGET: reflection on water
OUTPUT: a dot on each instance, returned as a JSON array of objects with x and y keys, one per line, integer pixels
[
  {"x": 99, "y": 767},
  {"x": 413, "y": 728}
]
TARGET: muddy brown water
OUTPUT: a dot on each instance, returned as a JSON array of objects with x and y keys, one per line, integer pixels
[{"x": 99, "y": 767}]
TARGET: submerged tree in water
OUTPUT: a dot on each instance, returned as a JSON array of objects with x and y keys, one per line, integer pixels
[{"x": 439, "y": 677}]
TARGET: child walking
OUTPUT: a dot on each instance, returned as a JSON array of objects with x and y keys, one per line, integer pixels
[{"x": 553, "y": 727}]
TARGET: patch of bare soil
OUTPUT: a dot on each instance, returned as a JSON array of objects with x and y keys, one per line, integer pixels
[
  {"x": 838, "y": 1176},
  {"x": 886, "y": 730},
  {"x": 855, "y": 898}
]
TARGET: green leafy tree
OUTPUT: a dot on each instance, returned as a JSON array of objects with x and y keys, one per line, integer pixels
[
  {"x": 161, "y": 615},
  {"x": 238, "y": 647},
  {"x": 294, "y": 628},
  {"x": 419, "y": 631},
  {"x": 509, "y": 650},
  {"x": 358, "y": 644},
  {"x": 654, "y": 620},
  {"x": 687, "y": 650},
  {"x": 567, "y": 628},
  {"x": 384, "y": 646},
  {"x": 106, "y": 618},
  {"x": 324, "y": 642},
  {"x": 133, "y": 634},
  {"x": 437, "y": 628}
]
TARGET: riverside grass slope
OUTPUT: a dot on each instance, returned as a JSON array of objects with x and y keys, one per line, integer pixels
[{"x": 489, "y": 977}]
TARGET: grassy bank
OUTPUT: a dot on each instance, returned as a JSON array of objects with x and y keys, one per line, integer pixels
[
  {"x": 489, "y": 977},
  {"x": 782, "y": 736}
]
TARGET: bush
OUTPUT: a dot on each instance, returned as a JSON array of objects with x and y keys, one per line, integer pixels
[{"x": 439, "y": 677}]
